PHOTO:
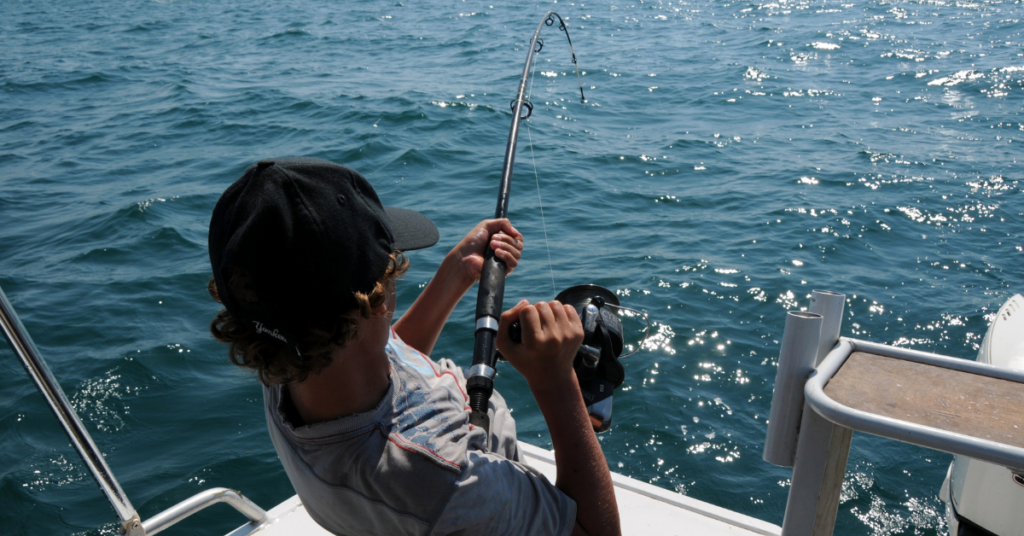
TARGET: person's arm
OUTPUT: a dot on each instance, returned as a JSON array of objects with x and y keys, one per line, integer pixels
[
  {"x": 420, "y": 326},
  {"x": 552, "y": 333}
]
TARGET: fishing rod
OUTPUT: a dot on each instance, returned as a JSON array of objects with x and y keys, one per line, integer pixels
[{"x": 490, "y": 296}]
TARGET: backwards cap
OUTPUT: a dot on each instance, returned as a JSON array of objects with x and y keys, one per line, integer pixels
[{"x": 306, "y": 233}]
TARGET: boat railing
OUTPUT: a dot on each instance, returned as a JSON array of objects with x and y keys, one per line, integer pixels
[
  {"x": 199, "y": 501},
  {"x": 827, "y": 386},
  {"x": 131, "y": 523}
]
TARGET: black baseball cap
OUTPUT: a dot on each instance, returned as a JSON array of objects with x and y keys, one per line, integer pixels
[{"x": 306, "y": 233}]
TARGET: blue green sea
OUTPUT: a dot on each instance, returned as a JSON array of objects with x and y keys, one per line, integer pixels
[{"x": 732, "y": 156}]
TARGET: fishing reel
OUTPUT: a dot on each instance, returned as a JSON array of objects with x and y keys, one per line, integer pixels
[{"x": 597, "y": 365}]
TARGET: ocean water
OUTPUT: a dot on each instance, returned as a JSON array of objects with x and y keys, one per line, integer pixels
[{"x": 731, "y": 157}]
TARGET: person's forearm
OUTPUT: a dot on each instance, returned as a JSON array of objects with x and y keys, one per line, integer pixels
[
  {"x": 583, "y": 471},
  {"x": 420, "y": 326}
]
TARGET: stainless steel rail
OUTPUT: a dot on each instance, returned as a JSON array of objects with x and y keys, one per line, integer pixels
[
  {"x": 925, "y": 436},
  {"x": 131, "y": 525},
  {"x": 199, "y": 501},
  {"x": 22, "y": 345}
]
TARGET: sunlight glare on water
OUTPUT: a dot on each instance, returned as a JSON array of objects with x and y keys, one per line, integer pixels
[{"x": 730, "y": 158}]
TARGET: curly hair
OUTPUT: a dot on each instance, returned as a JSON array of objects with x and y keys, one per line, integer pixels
[{"x": 273, "y": 363}]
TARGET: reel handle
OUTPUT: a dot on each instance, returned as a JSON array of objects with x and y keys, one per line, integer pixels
[
  {"x": 589, "y": 353},
  {"x": 515, "y": 332}
]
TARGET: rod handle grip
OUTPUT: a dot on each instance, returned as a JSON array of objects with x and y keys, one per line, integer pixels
[{"x": 491, "y": 293}]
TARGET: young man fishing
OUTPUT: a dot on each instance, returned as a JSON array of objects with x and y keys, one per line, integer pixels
[{"x": 373, "y": 434}]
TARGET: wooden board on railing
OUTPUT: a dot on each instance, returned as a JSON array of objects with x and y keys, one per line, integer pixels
[{"x": 960, "y": 402}]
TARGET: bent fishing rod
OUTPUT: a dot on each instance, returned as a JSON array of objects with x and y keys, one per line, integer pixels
[{"x": 490, "y": 296}]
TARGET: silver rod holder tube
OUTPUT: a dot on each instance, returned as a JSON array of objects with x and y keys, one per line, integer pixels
[
  {"x": 796, "y": 361},
  {"x": 22, "y": 345},
  {"x": 822, "y": 447},
  {"x": 200, "y": 501},
  {"x": 830, "y": 306}
]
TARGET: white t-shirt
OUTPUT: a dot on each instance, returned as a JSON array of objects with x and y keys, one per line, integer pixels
[{"x": 414, "y": 464}]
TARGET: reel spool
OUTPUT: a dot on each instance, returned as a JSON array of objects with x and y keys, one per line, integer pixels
[{"x": 597, "y": 363}]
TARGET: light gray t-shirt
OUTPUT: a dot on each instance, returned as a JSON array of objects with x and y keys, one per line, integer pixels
[{"x": 414, "y": 464}]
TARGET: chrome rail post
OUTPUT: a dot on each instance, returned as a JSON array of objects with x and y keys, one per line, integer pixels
[{"x": 22, "y": 345}]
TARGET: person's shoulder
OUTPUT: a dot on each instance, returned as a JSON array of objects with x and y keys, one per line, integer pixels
[
  {"x": 410, "y": 357},
  {"x": 431, "y": 407}
]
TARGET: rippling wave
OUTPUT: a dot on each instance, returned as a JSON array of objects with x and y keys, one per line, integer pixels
[{"x": 731, "y": 157}]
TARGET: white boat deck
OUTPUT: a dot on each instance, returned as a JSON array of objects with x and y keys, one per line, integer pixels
[{"x": 644, "y": 510}]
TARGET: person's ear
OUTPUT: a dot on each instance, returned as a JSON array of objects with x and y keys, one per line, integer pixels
[{"x": 380, "y": 310}]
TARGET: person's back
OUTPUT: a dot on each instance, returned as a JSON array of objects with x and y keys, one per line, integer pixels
[{"x": 373, "y": 434}]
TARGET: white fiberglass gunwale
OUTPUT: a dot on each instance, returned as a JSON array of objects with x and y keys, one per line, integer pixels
[{"x": 643, "y": 508}]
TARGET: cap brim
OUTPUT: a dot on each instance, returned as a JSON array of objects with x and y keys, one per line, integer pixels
[{"x": 412, "y": 230}]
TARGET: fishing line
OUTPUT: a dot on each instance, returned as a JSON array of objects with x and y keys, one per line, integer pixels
[
  {"x": 647, "y": 331},
  {"x": 536, "y": 176},
  {"x": 543, "y": 223}
]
